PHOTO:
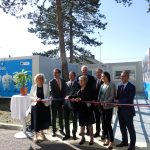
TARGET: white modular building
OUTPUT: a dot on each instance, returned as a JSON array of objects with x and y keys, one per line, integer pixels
[{"x": 115, "y": 69}]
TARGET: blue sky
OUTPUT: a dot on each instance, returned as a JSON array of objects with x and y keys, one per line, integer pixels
[
  {"x": 126, "y": 38},
  {"x": 127, "y": 35}
]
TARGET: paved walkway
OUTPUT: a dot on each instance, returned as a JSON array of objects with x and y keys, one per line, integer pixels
[{"x": 142, "y": 127}]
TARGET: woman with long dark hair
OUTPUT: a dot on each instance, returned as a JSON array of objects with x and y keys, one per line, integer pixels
[{"x": 107, "y": 94}]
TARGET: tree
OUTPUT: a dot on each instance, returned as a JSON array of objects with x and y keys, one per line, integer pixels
[
  {"x": 125, "y": 2},
  {"x": 80, "y": 18},
  {"x": 49, "y": 53},
  {"x": 75, "y": 22},
  {"x": 15, "y": 6},
  {"x": 61, "y": 39}
]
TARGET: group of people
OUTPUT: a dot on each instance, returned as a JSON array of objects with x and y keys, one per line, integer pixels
[{"x": 88, "y": 99}]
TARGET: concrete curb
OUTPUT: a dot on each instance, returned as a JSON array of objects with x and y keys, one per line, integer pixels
[{"x": 10, "y": 126}]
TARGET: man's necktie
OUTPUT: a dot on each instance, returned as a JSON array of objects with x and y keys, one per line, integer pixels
[
  {"x": 97, "y": 84},
  {"x": 59, "y": 83},
  {"x": 122, "y": 89},
  {"x": 71, "y": 85}
]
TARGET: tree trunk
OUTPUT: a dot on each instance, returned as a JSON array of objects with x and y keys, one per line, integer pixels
[
  {"x": 71, "y": 36},
  {"x": 64, "y": 65}
]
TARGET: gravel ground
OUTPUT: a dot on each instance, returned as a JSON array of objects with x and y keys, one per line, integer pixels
[{"x": 8, "y": 142}]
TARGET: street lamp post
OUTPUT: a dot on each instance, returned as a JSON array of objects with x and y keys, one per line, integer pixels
[{"x": 100, "y": 36}]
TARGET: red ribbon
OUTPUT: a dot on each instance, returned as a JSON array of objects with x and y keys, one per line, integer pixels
[{"x": 102, "y": 103}]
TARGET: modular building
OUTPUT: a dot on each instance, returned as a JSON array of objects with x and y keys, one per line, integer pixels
[
  {"x": 40, "y": 64},
  {"x": 34, "y": 64},
  {"x": 115, "y": 69}
]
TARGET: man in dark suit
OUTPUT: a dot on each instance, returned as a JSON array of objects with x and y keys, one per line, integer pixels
[
  {"x": 96, "y": 110},
  {"x": 125, "y": 95},
  {"x": 57, "y": 88},
  {"x": 71, "y": 107}
]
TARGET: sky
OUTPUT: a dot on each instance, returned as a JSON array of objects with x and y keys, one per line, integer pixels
[{"x": 126, "y": 37}]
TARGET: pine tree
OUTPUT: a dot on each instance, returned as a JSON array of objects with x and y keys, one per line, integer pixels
[{"x": 80, "y": 18}]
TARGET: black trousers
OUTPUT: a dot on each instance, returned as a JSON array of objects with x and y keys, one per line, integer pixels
[
  {"x": 57, "y": 109},
  {"x": 97, "y": 114},
  {"x": 67, "y": 112},
  {"x": 126, "y": 123},
  {"x": 102, "y": 120},
  {"x": 107, "y": 116}
]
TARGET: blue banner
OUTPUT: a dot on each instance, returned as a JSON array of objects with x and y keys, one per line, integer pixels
[{"x": 7, "y": 69}]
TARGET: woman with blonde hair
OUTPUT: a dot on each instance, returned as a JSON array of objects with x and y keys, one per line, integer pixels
[{"x": 40, "y": 110}]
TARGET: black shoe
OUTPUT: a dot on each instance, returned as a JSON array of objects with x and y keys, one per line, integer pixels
[
  {"x": 80, "y": 133},
  {"x": 87, "y": 133},
  {"x": 91, "y": 143},
  {"x": 66, "y": 137},
  {"x": 131, "y": 148},
  {"x": 96, "y": 135},
  {"x": 62, "y": 132},
  {"x": 74, "y": 137},
  {"x": 105, "y": 144},
  {"x": 54, "y": 134},
  {"x": 103, "y": 137},
  {"x": 82, "y": 141},
  {"x": 122, "y": 144},
  {"x": 110, "y": 147}
]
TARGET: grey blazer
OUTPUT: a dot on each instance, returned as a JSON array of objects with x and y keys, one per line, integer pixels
[{"x": 108, "y": 96}]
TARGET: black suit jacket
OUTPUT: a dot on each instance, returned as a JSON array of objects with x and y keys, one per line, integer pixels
[
  {"x": 55, "y": 92},
  {"x": 72, "y": 92},
  {"x": 97, "y": 89},
  {"x": 126, "y": 97}
]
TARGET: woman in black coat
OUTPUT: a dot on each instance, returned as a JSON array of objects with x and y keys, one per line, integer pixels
[{"x": 86, "y": 116}]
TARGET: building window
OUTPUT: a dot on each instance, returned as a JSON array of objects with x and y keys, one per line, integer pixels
[{"x": 118, "y": 73}]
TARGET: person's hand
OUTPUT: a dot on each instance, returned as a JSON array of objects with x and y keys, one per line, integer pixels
[
  {"x": 116, "y": 101},
  {"x": 38, "y": 99},
  {"x": 94, "y": 103},
  {"x": 43, "y": 102},
  {"x": 72, "y": 100},
  {"x": 102, "y": 103},
  {"x": 105, "y": 104},
  {"x": 67, "y": 97},
  {"x": 77, "y": 99}
]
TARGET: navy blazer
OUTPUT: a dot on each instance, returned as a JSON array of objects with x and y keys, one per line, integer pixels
[{"x": 126, "y": 97}]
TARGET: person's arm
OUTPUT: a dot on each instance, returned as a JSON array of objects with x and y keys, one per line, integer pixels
[
  {"x": 46, "y": 95},
  {"x": 112, "y": 94},
  {"x": 131, "y": 94},
  {"x": 32, "y": 94},
  {"x": 51, "y": 89}
]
